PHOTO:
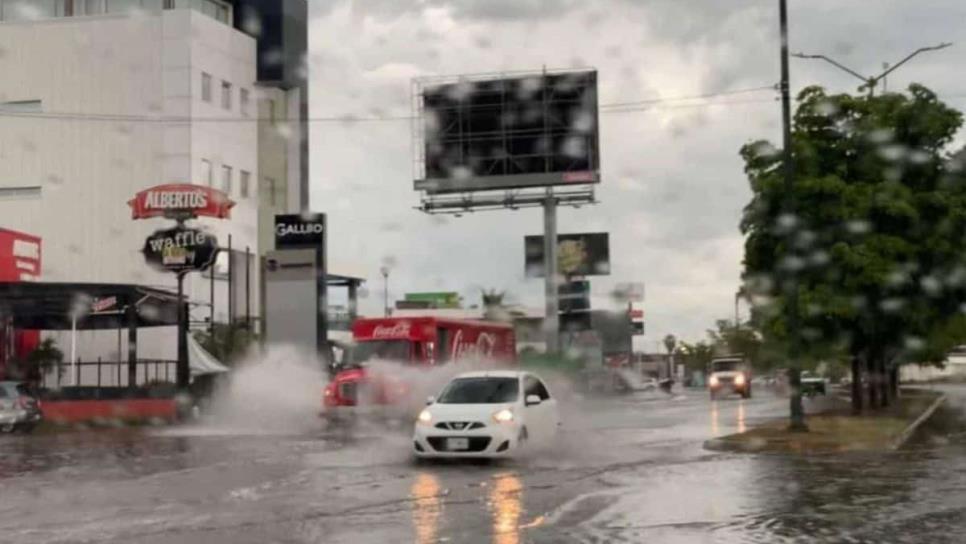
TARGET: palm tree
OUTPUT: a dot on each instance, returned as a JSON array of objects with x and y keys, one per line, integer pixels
[{"x": 494, "y": 308}]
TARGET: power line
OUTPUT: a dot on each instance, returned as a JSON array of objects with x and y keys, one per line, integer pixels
[
  {"x": 641, "y": 106},
  {"x": 684, "y": 98},
  {"x": 345, "y": 118}
]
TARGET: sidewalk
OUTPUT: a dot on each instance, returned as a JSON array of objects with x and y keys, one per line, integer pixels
[{"x": 832, "y": 428}]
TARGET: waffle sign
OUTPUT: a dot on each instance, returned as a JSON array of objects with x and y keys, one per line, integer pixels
[{"x": 180, "y": 249}]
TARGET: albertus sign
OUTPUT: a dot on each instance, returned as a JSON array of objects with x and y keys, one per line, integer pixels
[{"x": 299, "y": 230}]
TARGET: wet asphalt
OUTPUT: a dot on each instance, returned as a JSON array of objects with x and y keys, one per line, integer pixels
[{"x": 630, "y": 469}]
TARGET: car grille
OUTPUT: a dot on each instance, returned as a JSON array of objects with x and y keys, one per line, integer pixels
[
  {"x": 476, "y": 443},
  {"x": 726, "y": 379},
  {"x": 459, "y": 425}
]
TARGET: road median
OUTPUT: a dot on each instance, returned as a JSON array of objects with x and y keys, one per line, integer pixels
[{"x": 838, "y": 430}]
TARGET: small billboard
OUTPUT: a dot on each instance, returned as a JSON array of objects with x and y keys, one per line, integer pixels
[
  {"x": 583, "y": 254},
  {"x": 444, "y": 299}
]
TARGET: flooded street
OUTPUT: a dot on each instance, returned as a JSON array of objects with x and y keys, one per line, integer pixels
[{"x": 626, "y": 470}]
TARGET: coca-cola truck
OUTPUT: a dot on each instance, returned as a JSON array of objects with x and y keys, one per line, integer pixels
[{"x": 404, "y": 350}]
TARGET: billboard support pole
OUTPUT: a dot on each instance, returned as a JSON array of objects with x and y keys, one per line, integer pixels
[{"x": 552, "y": 319}]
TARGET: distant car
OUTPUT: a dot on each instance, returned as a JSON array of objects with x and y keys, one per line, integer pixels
[
  {"x": 19, "y": 410},
  {"x": 486, "y": 414},
  {"x": 813, "y": 385},
  {"x": 729, "y": 374}
]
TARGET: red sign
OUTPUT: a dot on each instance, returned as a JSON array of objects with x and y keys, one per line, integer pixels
[
  {"x": 636, "y": 314},
  {"x": 19, "y": 256},
  {"x": 180, "y": 200},
  {"x": 103, "y": 304}
]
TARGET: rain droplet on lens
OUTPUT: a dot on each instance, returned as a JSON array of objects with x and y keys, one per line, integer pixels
[
  {"x": 826, "y": 108},
  {"x": 880, "y": 136},
  {"x": 892, "y": 152},
  {"x": 858, "y": 226},
  {"x": 931, "y": 285}
]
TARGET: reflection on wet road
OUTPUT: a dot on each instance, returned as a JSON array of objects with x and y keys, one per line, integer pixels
[
  {"x": 625, "y": 470},
  {"x": 425, "y": 494}
]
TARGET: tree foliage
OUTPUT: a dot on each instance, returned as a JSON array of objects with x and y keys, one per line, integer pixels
[{"x": 872, "y": 235}]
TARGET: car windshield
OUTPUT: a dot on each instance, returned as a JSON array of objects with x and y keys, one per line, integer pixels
[
  {"x": 385, "y": 350},
  {"x": 480, "y": 391},
  {"x": 725, "y": 366}
]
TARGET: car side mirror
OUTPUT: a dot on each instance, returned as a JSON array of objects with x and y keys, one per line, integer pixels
[
  {"x": 430, "y": 399},
  {"x": 532, "y": 400}
]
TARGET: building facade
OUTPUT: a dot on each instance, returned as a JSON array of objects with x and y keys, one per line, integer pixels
[{"x": 100, "y": 99}]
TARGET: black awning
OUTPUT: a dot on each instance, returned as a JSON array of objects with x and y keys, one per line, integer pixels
[{"x": 49, "y": 306}]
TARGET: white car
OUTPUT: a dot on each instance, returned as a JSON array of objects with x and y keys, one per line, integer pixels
[{"x": 486, "y": 414}]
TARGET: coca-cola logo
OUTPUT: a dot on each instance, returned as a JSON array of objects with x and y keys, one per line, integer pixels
[
  {"x": 483, "y": 347},
  {"x": 398, "y": 330}
]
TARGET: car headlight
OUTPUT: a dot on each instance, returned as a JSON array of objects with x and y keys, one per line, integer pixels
[
  {"x": 425, "y": 417},
  {"x": 503, "y": 416},
  {"x": 740, "y": 379},
  {"x": 713, "y": 381}
]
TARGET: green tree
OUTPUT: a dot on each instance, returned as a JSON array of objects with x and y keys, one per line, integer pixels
[
  {"x": 494, "y": 306},
  {"x": 41, "y": 360},
  {"x": 875, "y": 248},
  {"x": 695, "y": 356}
]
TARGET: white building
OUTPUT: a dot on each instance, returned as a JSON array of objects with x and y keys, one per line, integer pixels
[{"x": 100, "y": 99}]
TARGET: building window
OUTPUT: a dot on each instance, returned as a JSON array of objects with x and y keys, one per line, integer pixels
[
  {"x": 29, "y": 10},
  {"x": 270, "y": 188},
  {"x": 123, "y": 6},
  {"x": 20, "y": 193},
  {"x": 93, "y": 7},
  {"x": 206, "y": 87},
  {"x": 226, "y": 95},
  {"x": 243, "y": 183},
  {"x": 271, "y": 112},
  {"x": 226, "y": 179},
  {"x": 206, "y": 175},
  {"x": 214, "y": 9},
  {"x": 22, "y": 106},
  {"x": 243, "y": 101}
]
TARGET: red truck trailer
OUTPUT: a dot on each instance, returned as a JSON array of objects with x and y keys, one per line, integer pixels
[{"x": 411, "y": 344}]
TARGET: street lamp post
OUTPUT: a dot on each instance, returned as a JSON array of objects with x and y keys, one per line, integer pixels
[
  {"x": 869, "y": 83},
  {"x": 385, "y": 290}
]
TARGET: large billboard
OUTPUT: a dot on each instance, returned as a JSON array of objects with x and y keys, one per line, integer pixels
[
  {"x": 583, "y": 254},
  {"x": 493, "y": 133}
]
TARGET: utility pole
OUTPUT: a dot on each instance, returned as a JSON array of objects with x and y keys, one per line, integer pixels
[
  {"x": 797, "y": 412},
  {"x": 385, "y": 290},
  {"x": 869, "y": 83}
]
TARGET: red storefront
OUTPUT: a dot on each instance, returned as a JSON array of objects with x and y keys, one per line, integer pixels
[{"x": 20, "y": 260}]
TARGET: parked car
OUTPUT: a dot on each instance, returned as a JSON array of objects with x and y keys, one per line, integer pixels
[
  {"x": 19, "y": 409},
  {"x": 486, "y": 414}
]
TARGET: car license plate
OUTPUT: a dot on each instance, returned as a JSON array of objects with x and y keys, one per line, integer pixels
[{"x": 454, "y": 444}]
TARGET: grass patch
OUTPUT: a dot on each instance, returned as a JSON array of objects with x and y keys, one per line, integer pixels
[{"x": 836, "y": 431}]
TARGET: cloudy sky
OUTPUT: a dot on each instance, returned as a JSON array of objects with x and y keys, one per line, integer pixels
[{"x": 673, "y": 186}]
